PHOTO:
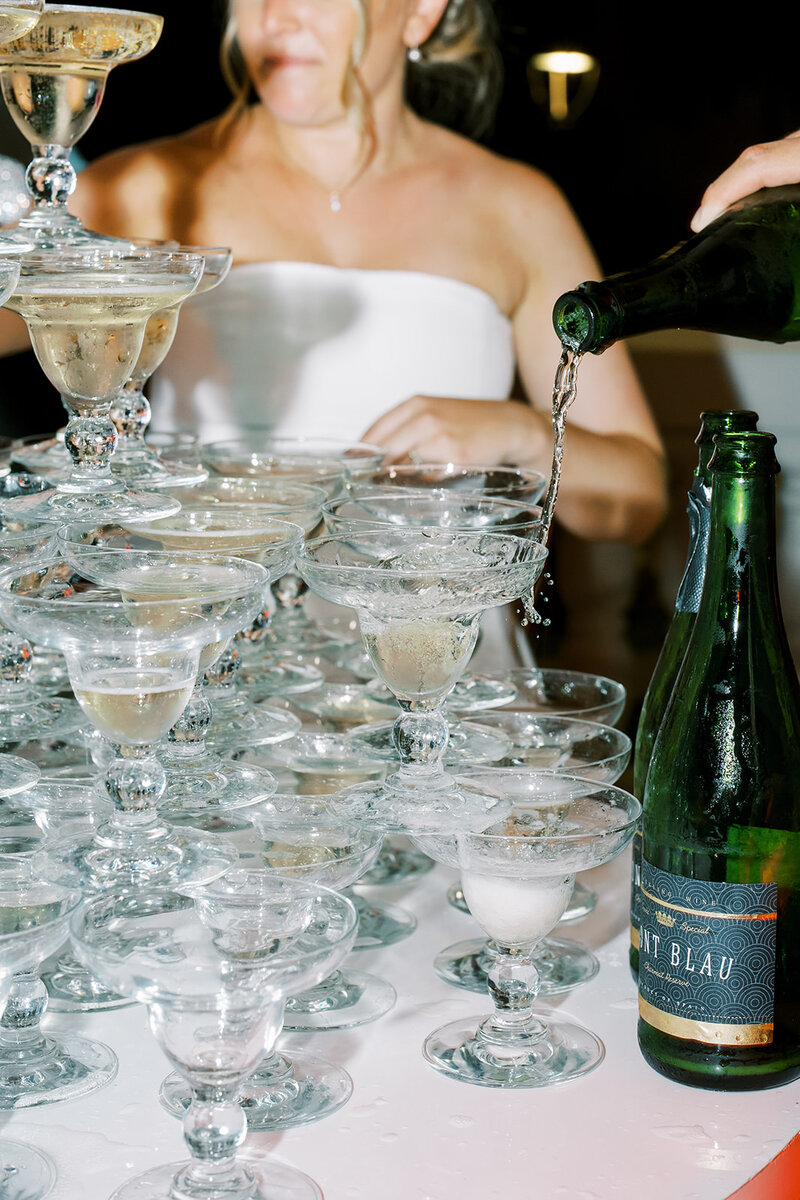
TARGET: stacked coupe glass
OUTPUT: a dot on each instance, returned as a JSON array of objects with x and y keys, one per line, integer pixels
[{"x": 235, "y": 677}]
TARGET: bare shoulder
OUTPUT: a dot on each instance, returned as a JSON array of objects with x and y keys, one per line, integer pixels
[
  {"x": 134, "y": 191},
  {"x": 514, "y": 186},
  {"x": 533, "y": 231},
  {"x": 527, "y": 206}
]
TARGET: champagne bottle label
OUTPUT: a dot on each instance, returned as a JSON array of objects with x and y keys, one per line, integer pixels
[
  {"x": 707, "y": 958},
  {"x": 699, "y": 512}
]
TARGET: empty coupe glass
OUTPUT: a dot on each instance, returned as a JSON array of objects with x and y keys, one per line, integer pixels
[
  {"x": 213, "y": 973},
  {"x": 35, "y": 916}
]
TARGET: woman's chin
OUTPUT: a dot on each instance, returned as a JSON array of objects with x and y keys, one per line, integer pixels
[{"x": 292, "y": 105}]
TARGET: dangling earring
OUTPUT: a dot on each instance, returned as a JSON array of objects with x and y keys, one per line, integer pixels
[{"x": 414, "y": 54}]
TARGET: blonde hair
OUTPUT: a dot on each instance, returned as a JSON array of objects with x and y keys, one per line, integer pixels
[{"x": 456, "y": 81}]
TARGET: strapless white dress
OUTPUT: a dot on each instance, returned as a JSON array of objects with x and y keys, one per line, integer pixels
[
  {"x": 314, "y": 349},
  {"x": 305, "y": 348}
]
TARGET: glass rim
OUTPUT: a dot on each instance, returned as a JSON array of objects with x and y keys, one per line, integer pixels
[
  {"x": 314, "y": 493},
  {"x": 189, "y": 896},
  {"x": 454, "y": 469},
  {"x": 617, "y": 690},
  {"x": 102, "y": 260},
  {"x": 432, "y": 494},
  {"x": 495, "y": 716},
  {"x": 267, "y": 523},
  {"x": 333, "y": 454},
  {"x": 537, "y": 552},
  {"x": 124, "y": 12},
  {"x": 589, "y": 787},
  {"x": 258, "y": 577}
]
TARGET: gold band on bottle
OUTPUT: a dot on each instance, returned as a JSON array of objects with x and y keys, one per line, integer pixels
[
  {"x": 708, "y": 1032},
  {"x": 709, "y": 916}
]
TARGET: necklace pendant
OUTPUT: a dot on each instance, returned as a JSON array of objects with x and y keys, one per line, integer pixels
[{"x": 335, "y": 202}]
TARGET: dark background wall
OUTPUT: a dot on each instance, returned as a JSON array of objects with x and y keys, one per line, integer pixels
[{"x": 681, "y": 90}]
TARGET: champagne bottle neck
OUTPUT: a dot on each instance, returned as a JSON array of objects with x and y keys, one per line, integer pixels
[
  {"x": 739, "y": 276},
  {"x": 740, "y": 572}
]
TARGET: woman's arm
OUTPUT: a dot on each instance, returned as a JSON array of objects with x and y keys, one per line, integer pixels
[{"x": 613, "y": 485}]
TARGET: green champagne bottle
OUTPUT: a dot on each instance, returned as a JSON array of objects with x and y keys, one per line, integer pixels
[
  {"x": 719, "y": 902},
  {"x": 740, "y": 275},
  {"x": 669, "y": 661}
]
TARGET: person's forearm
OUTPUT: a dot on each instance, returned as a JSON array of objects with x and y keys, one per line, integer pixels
[
  {"x": 613, "y": 486},
  {"x": 13, "y": 334}
]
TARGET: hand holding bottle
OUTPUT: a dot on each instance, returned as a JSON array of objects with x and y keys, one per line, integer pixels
[{"x": 769, "y": 164}]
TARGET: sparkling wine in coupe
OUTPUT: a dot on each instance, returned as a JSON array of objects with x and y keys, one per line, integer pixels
[
  {"x": 17, "y": 19},
  {"x": 53, "y": 78},
  {"x": 134, "y": 706}
]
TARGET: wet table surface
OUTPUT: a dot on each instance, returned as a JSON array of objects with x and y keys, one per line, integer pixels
[{"x": 410, "y": 1134}]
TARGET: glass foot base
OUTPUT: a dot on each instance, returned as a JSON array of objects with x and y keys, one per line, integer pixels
[
  {"x": 311, "y": 1089},
  {"x": 583, "y": 902},
  {"x": 35, "y": 715},
  {"x": 380, "y": 924},
  {"x": 72, "y": 988},
  {"x": 106, "y": 509},
  {"x": 263, "y": 680},
  {"x": 16, "y": 775},
  {"x": 256, "y": 725},
  {"x": 346, "y": 704},
  {"x": 213, "y": 786},
  {"x": 47, "y": 456},
  {"x": 297, "y": 634},
  {"x": 172, "y": 862},
  {"x": 49, "y": 671},
  {"x": 476, "y": 693},
  {"x": 434, "y": 803},
  {"x": 562, "y": 965},
  {"x": 74, "y": 1068},
  {"x": 267, "y": 1181},
  {"x": 149, "y": 472},
  {"x": 25, "y": 1173},
  {"x": 397, "y": 863},
  {"x": 472, "y": 695},
  {"x": 349, "y": 656},
  {"x": 566, "y": 1052},
  {"x": 468, "y": 745},
  {"x": 355, "y": 999}
]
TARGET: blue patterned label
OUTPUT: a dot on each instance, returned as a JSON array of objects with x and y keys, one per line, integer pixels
[{"x": 707, "y": 958}]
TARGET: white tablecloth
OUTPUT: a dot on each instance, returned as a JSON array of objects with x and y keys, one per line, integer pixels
[{"x": 621, "y": 1133}]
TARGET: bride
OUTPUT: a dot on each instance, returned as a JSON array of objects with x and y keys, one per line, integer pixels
[{"x": 391, "y": 277}]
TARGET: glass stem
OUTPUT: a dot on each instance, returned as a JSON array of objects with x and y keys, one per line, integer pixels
[
  {"x": 20, "y": 1035},
  {"x": 513, "y": 985},
  {"x": 135, "y": 782},
  {"x": 51, "y": 179},
  {"x": 90, "y": 440},
  {"x": 131, "y": 414},
  {"x": 420, "y": 736},
  {"x": 214, "y": 1128},
  {"x": 187, "y": 738}
]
